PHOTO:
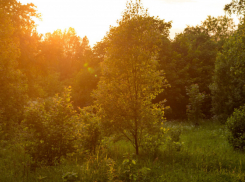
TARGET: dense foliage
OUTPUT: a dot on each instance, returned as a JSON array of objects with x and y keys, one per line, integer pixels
[
  {"x": 130, "y": 79},
  {"x": 51, "y": 129},
  {"x": 236, "y": 6},
  {"x": 15, "y": 20},
  {"x": 236, "y": 127},
  {"x": 66, "y": 105},
  {"x": 228, "y": 91},
  {"x": 194, "y": 108},
  {"x": 189, "y": 59}
]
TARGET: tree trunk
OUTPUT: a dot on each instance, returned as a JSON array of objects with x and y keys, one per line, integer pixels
[
  {"x": 136, "y": 131},
  {"x": 136, "y": 143}
]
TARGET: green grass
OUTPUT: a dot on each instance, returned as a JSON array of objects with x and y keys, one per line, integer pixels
[{"x": 205, "y": 155}]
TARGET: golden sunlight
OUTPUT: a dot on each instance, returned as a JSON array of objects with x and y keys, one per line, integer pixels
[{"x": 93, "y": 18}]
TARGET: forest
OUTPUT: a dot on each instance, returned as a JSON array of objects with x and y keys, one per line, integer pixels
[{"x": 138, "y": 106}]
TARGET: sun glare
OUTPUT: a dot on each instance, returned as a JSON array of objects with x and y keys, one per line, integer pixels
[{"x": 93, "y": 18}]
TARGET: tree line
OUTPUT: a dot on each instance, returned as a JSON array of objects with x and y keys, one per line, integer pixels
[{"x": 133, "y": 78}]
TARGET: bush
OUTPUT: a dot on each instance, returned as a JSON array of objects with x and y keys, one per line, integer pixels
[
  {"x": 152, "y": 142},
  {"x": 194, "y": 109},
  {"x": 236, "y": 127},
  {"x": 89, "y": 130},
  {"x": 173, "y": 139},
  {"x": 50, "y": 129},
  {"x": 165, "y": 137}
]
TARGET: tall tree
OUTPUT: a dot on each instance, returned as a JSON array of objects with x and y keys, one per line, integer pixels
[
  {"x": 130, "y": 79},
  {"x": 60, "y": 52},
  {"x": 189, "y": 59},
  {"x": 61, "y": 56},
  {"x": 14, "y": 17},
  {"x": 228, "y": 88},
  {"x": 220, "y": 28},
  {"x": 87, "y": 78}
]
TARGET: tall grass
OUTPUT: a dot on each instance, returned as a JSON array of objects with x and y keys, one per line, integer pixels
[{"x": 205, "y": 155}]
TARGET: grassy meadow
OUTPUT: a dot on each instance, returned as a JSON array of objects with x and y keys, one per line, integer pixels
[{"x": 203, "y": 154}]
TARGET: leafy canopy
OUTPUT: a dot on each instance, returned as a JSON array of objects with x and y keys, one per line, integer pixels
[
  {"x": 130, "y": 79},
  {"x": 228, "y": 87},
  {"x": 15, "y": 19}
]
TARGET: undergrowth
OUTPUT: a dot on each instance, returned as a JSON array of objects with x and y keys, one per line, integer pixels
[{"x": 203, "y": 154}]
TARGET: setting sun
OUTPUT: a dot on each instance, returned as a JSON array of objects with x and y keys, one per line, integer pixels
[{"x": 93, "y": 18}]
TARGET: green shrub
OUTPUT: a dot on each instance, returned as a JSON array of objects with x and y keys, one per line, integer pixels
[
  {"x": 173, "y": 139},
  {"x": 194, "y": 109},
  {"x": 165, "y": 137},
  {"x": 51, "y": 129},
  {"x": 152, "y": 142},
  {"x": 89, "y": 130},
  {"x": 236, "y": 127},
  {"x": 131, "y": 171}
]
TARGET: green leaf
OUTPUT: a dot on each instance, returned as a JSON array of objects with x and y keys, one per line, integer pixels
[{"x": 133, "y": 161}]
